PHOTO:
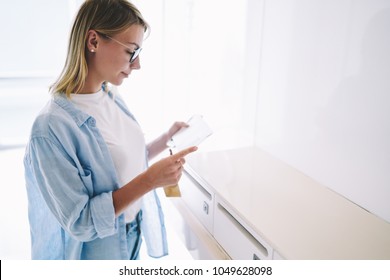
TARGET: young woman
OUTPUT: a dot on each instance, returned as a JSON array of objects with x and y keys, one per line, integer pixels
[{"x": 89, "y": 188}]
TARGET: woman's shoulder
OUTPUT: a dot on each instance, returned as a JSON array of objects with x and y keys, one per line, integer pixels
[{"x": 55, "y": 117}]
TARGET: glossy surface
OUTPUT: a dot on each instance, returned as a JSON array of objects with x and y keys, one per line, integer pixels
[{"x": 296, "y": 215}]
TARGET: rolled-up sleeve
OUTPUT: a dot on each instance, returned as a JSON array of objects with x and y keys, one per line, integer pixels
[{"x": 68, "y": 190}]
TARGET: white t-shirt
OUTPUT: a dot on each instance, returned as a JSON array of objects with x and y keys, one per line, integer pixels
[{"x": 123, "y": 136}]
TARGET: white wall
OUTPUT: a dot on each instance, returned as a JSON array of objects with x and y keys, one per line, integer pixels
[
  {"x": 324, "y": 98},
  {"x": 34, "y": 39},
  {"x": 198, "y": 60}
]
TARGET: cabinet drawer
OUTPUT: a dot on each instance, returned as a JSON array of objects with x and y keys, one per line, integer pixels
[
  {"x": 199, "y": 199},
  {"x": 236, "y": 238}
]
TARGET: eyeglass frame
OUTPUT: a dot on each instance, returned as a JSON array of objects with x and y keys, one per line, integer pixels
[{"x": 133, "y": 55}]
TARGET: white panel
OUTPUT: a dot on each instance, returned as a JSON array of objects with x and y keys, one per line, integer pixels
[
  {"x": 198, "y": 241},
  {"x": 277, "y": 256},
  {"x": 237, "y": 238},
  {"x": 324, "y": 94},
  {"x": 199, "y": 199}
]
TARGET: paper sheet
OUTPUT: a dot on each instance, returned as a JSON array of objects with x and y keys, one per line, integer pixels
[{"x": 193, "y": 135}]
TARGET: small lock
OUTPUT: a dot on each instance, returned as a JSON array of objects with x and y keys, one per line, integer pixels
[{"x": 205, "y": 207}]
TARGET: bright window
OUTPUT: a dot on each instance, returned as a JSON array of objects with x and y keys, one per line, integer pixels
[{"x": 32, "y": 54}]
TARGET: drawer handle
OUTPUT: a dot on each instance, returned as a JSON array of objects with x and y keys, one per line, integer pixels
[{"x": 241, "y": 228}]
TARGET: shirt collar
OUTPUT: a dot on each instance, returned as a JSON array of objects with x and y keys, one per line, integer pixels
[{"x": 79, "y": 116}]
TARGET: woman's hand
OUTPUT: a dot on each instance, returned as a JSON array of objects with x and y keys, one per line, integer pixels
[
  {"x": 175, "y": 128},
  {"x": 160, "y": 144},
  {"x": 167, "y": 171}
]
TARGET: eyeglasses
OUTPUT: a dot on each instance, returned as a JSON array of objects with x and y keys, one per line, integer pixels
[{"x": 133, "y": 55}]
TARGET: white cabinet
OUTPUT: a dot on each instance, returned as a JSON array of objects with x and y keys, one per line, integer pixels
[
  {"x": 277, "y": 256},
  {"x": 261, "y": 208},
  {"x": 199, "y": 199},
  {"x": 236, "y": 237},
  {"x": 194, "y": 223},
  {"x": 225, "y": 229},
  {"x": 196, "y": 238}
]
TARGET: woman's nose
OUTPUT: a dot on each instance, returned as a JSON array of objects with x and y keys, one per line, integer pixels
[{"x": 136, "y": 64}]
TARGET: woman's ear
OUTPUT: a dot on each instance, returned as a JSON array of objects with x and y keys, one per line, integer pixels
[{"x": 92, "y": 40}]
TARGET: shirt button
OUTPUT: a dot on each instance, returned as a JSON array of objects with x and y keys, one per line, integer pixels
[{"x": 92, "y": 122}]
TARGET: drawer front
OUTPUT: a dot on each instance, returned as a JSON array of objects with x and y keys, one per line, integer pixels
[
  {"x": 236, "y": 238},
  {"x": 199, "y": 199}
]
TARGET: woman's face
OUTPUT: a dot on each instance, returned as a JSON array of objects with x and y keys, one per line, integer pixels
[{"x": 111, "y": 60}]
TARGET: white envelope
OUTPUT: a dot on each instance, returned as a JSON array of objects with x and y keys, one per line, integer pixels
[{"x": 193, "y": 135}]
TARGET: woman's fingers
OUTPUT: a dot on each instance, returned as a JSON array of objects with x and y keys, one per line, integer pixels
[
  {"x": 181, "y": 154},
  {"x": 176, "y": 127},
  {"x": 168, "y": 171}
]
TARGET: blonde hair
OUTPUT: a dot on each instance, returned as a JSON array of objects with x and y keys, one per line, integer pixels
[{"x": 108, "y": 17}]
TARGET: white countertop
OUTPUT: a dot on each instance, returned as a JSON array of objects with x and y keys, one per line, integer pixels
[{"x": 297, "y": 216}]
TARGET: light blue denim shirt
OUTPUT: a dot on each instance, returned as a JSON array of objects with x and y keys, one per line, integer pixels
[{"x": 70, "y": 177}]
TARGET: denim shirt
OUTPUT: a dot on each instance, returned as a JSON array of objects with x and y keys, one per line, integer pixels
[{"x": 70, "y": 177}]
